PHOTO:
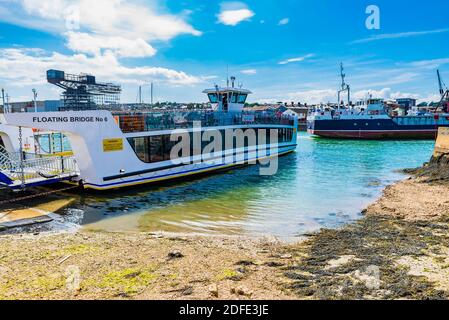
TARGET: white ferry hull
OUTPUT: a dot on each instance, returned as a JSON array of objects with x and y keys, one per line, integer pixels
[
  {"x": 179, "y": 173},
  {"x": 106, "y": 160}
]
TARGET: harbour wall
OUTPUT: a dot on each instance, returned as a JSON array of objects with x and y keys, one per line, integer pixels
[{"x": 441, "y": 152}]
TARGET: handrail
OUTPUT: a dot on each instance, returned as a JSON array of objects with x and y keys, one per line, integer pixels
[
  {"x": 140, "y": 122},
  {"x": 40, "y": 167}
]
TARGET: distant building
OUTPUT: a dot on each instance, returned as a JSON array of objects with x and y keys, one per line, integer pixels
[
  {"x": 302, "y": 112},
  {"x": 406, "y": 103},
  {"x": 42, "y": 106}
]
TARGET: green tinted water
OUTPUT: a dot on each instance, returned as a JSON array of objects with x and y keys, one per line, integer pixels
[{"x": 325, "y": 184}]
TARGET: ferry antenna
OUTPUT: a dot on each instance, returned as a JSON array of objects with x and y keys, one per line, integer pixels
[
  {"x": 343, "y": 76},
  {"x": 344, "y": 87}
]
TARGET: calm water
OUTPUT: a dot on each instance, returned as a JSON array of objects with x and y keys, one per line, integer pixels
[{"x": 325, "y": 184}]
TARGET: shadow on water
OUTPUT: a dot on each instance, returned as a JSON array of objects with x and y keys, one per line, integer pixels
[{"x": 215, "y": 203}]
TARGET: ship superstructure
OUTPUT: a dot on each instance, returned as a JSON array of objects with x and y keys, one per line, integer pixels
[{"x": 371, "y": 119}]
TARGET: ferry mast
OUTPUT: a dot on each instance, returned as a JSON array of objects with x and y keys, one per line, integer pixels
[{"x": 344, "y": 87}]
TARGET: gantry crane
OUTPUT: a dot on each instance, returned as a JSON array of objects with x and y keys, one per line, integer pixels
[{"x": 82, "y": 92}]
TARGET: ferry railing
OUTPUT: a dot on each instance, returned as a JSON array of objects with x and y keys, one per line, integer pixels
[
  {"x": 130, "y": 123},
  {"x": 40, "y": 167},
  {"x": 10, "y": 158}
]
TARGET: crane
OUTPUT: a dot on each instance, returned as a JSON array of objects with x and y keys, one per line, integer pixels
[
  {"x": 444, "y": 92},
  {"x": 83, "y": 92}
]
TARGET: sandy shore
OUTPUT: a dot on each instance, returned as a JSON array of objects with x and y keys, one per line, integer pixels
[{"x": 400, "y": 250}]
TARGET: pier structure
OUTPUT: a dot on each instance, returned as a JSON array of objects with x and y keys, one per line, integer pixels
[{"x": 441, "y": 152}]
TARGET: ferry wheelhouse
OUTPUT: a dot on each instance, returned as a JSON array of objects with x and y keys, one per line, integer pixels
[{"x": 120, "y": 149}]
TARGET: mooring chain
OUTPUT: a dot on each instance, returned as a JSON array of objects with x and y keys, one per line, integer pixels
[
  {"x": 22, "y": 167},
  {"x": 36, "y": 195}
]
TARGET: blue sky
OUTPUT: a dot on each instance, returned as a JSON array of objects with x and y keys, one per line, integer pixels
[{"x": 281, "y": 50}]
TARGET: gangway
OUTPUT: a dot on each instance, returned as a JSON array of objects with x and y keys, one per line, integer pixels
[{"x": 18, "y": 172}]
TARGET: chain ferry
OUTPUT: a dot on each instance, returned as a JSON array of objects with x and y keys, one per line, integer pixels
[{"x": 121, "y": 149}]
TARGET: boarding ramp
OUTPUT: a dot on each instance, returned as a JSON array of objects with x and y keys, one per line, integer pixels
[{"x": 21, "y": 171}]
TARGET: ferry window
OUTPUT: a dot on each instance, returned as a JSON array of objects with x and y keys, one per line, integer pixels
[
  {"x": 156, "y": 149},
  {"x": 140, "y": 146},
  {"x": 234, "y": 98},
  {"x": 242, "y": 98},
  {"x": 153, "y": 148},
  {"x": 285, "y": 135},
  {"x": 213, "y": 98},
  {"x": 281, "y": 133},
  {"x": 168, "y": 146},
  {"x": 263, "y": 137}
]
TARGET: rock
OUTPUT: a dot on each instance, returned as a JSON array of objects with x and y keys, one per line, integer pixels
[
  {"x": 245, "y": 263},
  {"x": 213, "y": 290},
  {"x": 188, "y": 291},
  {"x": 271, "y": 240},
  {"x": 274, "y": 264},
  {"x": 242, "y": 291},
  {"x": 175, "y": 254},
  {"x": 286, "y": 256}
]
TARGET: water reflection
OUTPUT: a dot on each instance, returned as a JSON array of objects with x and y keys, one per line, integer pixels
[
  {"x": 325, "y": 184},
  {"x": 218, "y": 204}
]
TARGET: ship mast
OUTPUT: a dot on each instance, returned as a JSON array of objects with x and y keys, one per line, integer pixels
[{"x": 344, "y": 87}]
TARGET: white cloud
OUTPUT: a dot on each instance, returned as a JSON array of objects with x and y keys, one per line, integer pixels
[
  {"x": 385, "y": 93},
  {"x": 399, "y": 35},
  {"x": 27, "y": 67},
  {"x": 313, "y": 96},
  {"x": 330, "y": 95},
  {"x": 249, "y": 71},
  {"x": 96, "y": 45},
  {"x": 430, "y": 98},
  {"x": 297, "y": 59},
  {"x": 284, "y": 21},
  {"x": 429, "y": 64},
  {"x": 124, "y": 27},
  {"x": 232, "y": 13}
]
